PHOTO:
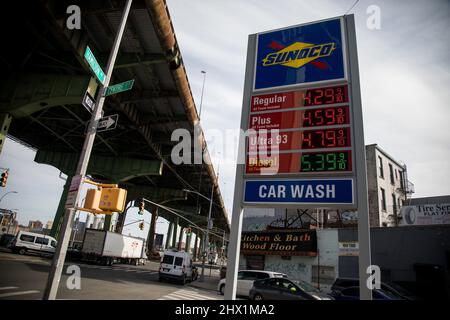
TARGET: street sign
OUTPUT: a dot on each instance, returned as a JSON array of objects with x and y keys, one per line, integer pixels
[
  {"x": 107, "y": 123},
  {"x": 120, "y": 87},
  {"x": 75, "y": 185},
  {"x": 88, "y": 102},
  {"x": 90, "y": 58}
]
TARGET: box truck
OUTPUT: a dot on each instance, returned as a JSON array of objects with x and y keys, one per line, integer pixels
[{"x": 107, "y": 247}]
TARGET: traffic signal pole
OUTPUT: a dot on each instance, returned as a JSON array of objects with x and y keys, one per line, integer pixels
[{"x": 56, "y": 268}]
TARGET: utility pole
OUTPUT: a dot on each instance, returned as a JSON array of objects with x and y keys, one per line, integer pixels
[{"x": 56, "y": 268}]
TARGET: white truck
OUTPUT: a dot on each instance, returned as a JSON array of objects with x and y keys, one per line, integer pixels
[{"x": 107, "y": 247}]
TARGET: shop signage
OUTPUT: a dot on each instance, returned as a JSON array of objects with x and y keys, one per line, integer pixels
[{"x": 280, "y": 243}]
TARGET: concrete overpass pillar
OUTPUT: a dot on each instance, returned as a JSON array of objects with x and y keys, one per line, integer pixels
[
  {"x": 54, "y": 232},
  {"x": 151, "y": 231},
  {"x": 108, "y": 221},
  {"x": 169, "y": 235},
  {"x": 180, "y": 238},
  {"x": 175, "y": 230},
  {"x": 188, "y": 242},
  {"x": 195, "y": 247}
]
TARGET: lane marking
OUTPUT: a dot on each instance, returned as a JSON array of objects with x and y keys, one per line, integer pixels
[
  {"x": 8, "y": 288},
  {"x": 19, "y": 293}
]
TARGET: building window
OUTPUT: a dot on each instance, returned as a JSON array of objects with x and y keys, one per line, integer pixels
[
  {"x": 391, "y": 172},
  {"x": 394, "y": 203},
  {"x": 396, "y": 175},
  {"x": 402, "y": 184},
  {"x": 380, "y": 161},
  {"x": 383, "y": 199}
]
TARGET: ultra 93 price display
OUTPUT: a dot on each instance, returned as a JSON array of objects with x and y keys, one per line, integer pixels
[
  {"x": 325, "y": 138},
  {"x": 325, "y": 161}
]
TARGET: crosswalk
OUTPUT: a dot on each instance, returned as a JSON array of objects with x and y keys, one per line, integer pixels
[
  {"x": 190, "y": 294},
  {"x": 6, "y": 292}
]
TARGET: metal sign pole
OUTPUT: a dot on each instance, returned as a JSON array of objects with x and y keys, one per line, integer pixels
[
  {"x": 236, "y": 220},
  {"x": 54, "y": 276},
  {"x": 360, "y": 152}
]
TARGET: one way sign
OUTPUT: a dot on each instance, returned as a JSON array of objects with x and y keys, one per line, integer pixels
[{"x": 107, "y": 123}]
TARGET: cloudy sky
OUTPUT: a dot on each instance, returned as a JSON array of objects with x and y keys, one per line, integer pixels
[{"x": 405, "y": 82}]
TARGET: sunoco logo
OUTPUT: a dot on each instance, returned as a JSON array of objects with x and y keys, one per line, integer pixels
[{"x": 298, "y": 54}]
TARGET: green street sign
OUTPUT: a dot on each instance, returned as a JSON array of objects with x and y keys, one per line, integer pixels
[
  {"x": 120, "y": 87},
  {"x": 89, "y": 56}
]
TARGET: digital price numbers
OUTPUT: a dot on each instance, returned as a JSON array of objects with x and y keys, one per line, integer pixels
[
  {"x": 292, "y": 126},
  {"x": 325, "y": 161}
]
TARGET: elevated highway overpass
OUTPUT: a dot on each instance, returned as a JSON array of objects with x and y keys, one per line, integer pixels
[{"x": 44, "y": 78}]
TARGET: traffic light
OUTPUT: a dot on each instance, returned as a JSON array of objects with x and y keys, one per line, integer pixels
[
  {"x": 4, "y": 178},
  {"x": 141, "y": 225},
  {"x": 141, "y": 206}
]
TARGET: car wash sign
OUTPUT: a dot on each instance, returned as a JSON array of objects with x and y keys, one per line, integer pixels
[{"x": 299, "y": 118}]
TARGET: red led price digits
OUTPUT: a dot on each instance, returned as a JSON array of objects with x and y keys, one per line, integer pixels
[
  {"x": 325, "y": 117},
  {"x": 331, "y": 138},
  {"x": 319, "y": 96}
]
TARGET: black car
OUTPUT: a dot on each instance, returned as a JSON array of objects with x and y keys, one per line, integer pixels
[
  {"x": 352, "y": 293},
  {"x": 390, "y": 288},
  {"x": 285, "y": 289}
]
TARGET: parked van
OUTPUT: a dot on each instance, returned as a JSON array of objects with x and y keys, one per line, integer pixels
[
  {"x": 33, "y": 242},
  {"x": 176, "y": 265}
]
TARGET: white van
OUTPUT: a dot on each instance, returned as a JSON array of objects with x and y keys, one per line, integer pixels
[
  {"x": 33, "y": 242},
  {"x": 176, "y": 265}
]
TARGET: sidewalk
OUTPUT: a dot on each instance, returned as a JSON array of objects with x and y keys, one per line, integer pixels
[{"x": 212, "y": 278}]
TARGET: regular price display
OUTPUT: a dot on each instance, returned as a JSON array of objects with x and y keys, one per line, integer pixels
[
  {"x": 325, "y": 138},
  {"x": 325, "y": 161},
  {"x": 299, "y": 98},
  {"x": 330, "y": 95}
]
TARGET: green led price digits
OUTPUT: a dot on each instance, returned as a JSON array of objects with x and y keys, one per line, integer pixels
[{"x": 327, "y": 161}]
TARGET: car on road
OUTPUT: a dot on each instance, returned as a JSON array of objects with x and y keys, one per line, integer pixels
[
  {"x": 285, "y": 289},
  {"x": 352, "y": 293},
  {"x": 33, "y": 242},
  {"x": 245, "y": 279},
  {"x": 392, "y": 288},
  {"x": 177, "y": 265}
]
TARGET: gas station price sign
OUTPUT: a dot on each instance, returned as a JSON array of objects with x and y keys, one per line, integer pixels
[
  {"x": 300, "y": 98},
  {"x": 302, "y": 131},
  {"x": 302, "y": 112},
  {"x": 317, "y": 117}
]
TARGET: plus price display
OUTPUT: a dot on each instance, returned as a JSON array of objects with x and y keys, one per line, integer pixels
[{"x": 291, "y": 126}]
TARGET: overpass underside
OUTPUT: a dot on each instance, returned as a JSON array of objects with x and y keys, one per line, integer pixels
[{"x": 44, "y": 78}]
